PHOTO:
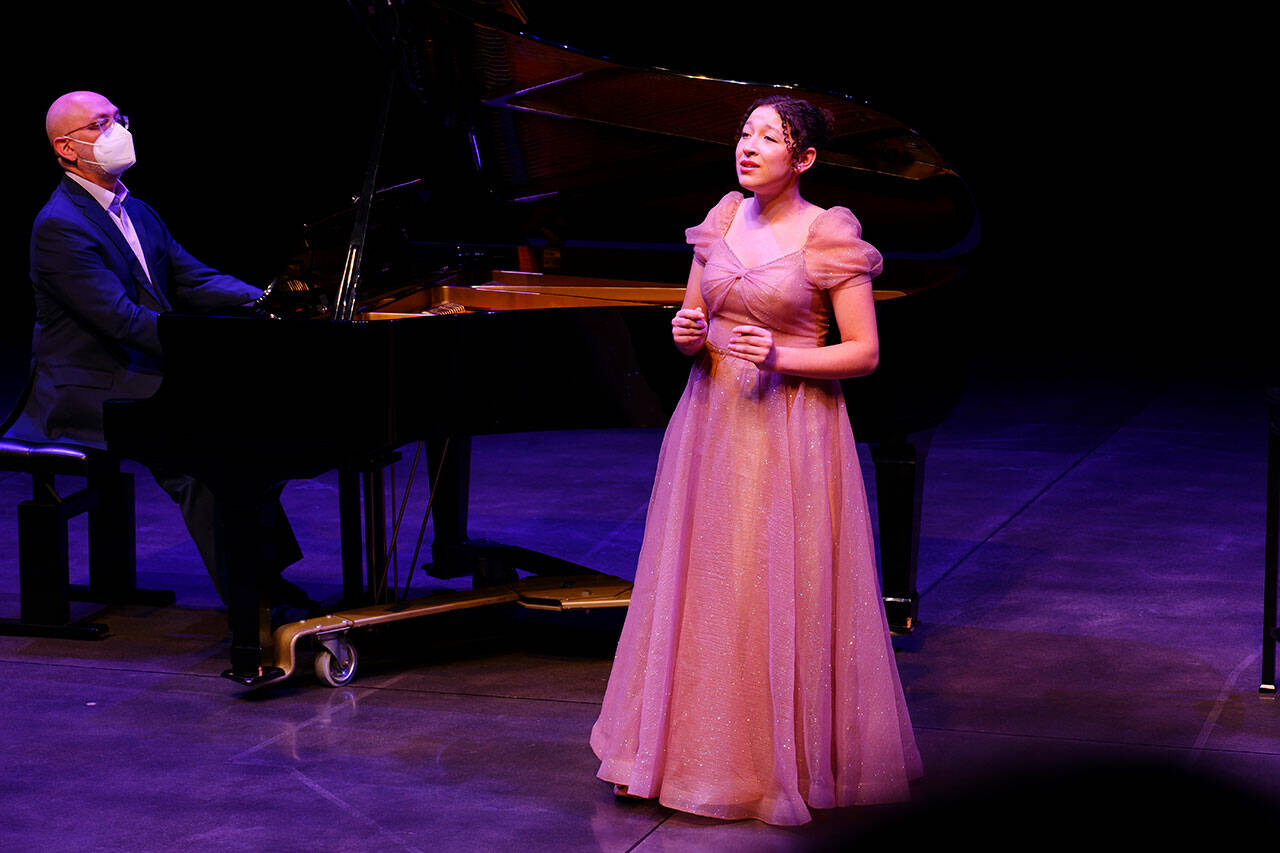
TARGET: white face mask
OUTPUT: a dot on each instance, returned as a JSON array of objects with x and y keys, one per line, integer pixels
[{"x": 113, "y": 148}]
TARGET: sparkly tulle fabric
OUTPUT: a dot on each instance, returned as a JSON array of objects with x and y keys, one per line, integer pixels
[{"x": 754, "y": 676}]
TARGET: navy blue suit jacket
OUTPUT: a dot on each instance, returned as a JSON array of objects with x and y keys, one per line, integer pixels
[{"x": 95, "y": 333}]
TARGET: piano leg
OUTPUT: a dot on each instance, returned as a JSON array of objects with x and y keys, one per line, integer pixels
[
  {"x": 243, "y": 517},
  {"x": 375, "y": 532},
  {"x": 362, "y": 489},
  {"x": 451, "y": 458},
  {"x": 349, "y": 526},
  {"x": 899, "y": 472},
  {"x": 453, "y": 553}
]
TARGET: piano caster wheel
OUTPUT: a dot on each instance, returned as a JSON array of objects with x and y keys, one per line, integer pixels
[{"x": 335, "y": 661}]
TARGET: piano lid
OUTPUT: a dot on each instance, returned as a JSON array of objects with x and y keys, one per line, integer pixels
[
  {"x": 544, "y": 157},
  {"x": 572, "y": 147}
]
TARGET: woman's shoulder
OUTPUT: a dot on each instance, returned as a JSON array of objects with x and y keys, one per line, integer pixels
[
  {"x": 835, "y": 224},
  {"x": 725, "y": 208},
  {"x": 716, "y": 222},
  {"x": 835, "y": 251}
]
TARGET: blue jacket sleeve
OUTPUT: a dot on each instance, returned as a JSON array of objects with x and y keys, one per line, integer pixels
[{"x": 191, "y": 285}]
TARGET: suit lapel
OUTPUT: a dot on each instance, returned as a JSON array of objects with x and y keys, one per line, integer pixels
[
  {"x": 148, "y": 240},
  {"x": 94, "y": 213}
]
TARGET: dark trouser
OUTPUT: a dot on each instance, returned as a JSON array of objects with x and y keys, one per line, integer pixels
[{"x": 199, "y": 508}]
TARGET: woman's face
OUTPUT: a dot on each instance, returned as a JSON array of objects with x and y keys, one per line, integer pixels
[{"x": 763, "y": 159}]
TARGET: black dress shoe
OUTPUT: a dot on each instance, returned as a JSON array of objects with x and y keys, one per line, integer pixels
[
  {"x": 281, "y": 591},
  {"x": 283, "y": 614},
  {"x": 290, "y": 603}
]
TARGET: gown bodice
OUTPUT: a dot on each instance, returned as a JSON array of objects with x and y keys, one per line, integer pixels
[{"x": 790, "y": 294}]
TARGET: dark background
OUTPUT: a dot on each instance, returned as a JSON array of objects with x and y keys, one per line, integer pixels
[{"x": 1110, "y": 156}]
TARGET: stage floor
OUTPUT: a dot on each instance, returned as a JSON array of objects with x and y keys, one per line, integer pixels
[{"x": 1086, "y": 665}]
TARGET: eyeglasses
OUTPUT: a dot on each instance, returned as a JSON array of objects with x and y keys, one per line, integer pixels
[{"x": 101, "y": 125}]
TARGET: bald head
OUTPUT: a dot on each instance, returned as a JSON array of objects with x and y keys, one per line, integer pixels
[{"x": 73, "y": 110}]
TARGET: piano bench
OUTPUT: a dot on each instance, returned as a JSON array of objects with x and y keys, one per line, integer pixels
[{"x": 44, "y": 571}]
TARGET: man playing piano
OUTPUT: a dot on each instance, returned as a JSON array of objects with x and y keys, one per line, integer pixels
[{"x": 104, "y": 266}]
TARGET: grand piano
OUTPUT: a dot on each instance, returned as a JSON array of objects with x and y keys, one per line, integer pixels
[{"x": 411, "y": 317}]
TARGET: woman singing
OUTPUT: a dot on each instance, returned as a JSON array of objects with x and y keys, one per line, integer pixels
[{"x": 754, "y": 676}]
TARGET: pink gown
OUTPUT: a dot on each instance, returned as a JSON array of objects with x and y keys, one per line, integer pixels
[{"x": 754, "y": 676}]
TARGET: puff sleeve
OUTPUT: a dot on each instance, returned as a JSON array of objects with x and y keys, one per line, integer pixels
[
  {"x": 704, "y": 235},
  {"x": 836, "y": 255}
]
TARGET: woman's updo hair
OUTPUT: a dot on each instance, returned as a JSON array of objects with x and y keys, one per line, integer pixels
[{"x": 804, "y": 125}]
